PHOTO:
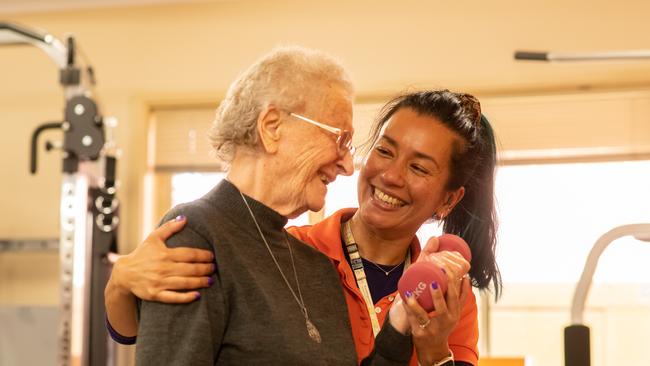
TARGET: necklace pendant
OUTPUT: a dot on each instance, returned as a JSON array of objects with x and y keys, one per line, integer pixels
[{"x": 312, "y": 331}]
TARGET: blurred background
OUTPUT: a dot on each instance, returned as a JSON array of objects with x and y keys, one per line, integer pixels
[{"x": 574, "y": 139}]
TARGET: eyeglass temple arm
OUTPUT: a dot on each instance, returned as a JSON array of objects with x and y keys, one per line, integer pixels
[{"x": 321, "y": 125}]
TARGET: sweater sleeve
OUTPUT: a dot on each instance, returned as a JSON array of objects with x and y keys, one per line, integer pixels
[
  {"x": 183, "y": 334},
  {"x": 391, "y": 348}
]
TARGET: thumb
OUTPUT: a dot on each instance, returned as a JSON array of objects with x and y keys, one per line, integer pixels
[
  {"x": 432, "y": 245},
  {"x": 170, "y": 227}
]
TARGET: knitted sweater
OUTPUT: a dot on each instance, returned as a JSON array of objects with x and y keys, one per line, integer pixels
[{"x": 249, "y": 316}]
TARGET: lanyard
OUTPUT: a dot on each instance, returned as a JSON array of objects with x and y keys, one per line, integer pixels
[{"x": 360, "y": 274}]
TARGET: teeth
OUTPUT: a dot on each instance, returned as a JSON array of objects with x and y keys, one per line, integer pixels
[{"x": 396, "y": 202}]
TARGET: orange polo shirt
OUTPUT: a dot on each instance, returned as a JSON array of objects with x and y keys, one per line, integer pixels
[{"x": 326, "y": 237}]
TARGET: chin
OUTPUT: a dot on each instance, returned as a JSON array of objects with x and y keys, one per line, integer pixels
[
  {"x": 316, "y": 206},
  {"x": 315, "y": 196}
]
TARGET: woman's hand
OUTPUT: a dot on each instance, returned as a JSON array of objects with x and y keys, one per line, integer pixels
[
  {"x": 431, "y": 330},
  {"x": 157, "y": 273},
  {"x": 454, "y": 264}
]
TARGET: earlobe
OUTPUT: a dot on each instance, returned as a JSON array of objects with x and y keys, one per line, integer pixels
[{"x": 269, "y": 122}]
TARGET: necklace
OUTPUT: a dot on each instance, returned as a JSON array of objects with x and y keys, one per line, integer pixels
[
  {"x": 348, "y": 238},
  {"x": 312, "y": 331},
  {"x": 383, "y": 270}
]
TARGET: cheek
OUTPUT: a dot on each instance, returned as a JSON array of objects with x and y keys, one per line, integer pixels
[
  {"x": 364, "y": 175},
  {"x": 429, "y": 194},
  {"x": 309, "y": 158},
  {"x": 370, "y": 169}
]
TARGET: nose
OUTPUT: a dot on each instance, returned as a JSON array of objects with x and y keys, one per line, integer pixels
[
  {"x": 345, "y": 164},
  {"x": 393, "y": 174}
]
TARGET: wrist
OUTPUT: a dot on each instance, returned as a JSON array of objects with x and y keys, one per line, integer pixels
[
  {"x": 435, "y": 353},
  {"x": 398, "y": 318},
  {"x": 446, "y": 360},
  {"x": 115, "y": 285}
]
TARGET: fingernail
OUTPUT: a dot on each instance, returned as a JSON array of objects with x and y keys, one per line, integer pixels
[
  {"x": 198, "y": 295},
  {"x": 214, "y": 267},
  {"x": 408, "y": 294},
  {"x": 210, "y": 281},
  {"x": 180, "y": 218},
  {"x": 434, "y": 285}
]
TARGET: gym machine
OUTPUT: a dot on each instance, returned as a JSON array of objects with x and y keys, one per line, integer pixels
[
  {"x": 577, "y": 347},
  {"x": 89, "y": 208}
]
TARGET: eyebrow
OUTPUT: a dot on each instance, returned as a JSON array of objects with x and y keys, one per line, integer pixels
[{"x": 418, "y": 154}]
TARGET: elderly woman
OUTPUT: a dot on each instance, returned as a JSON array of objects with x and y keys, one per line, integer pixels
[
  {"x": 275, "y": 300},
  {"x": 432, "y": 156}
]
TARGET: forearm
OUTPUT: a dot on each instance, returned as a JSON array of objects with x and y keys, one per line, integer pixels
[{"x": 121, "y": 309}]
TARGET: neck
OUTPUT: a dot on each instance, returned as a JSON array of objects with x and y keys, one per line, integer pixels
[
  {"x": 257, "y": 176},
  {"x": 377, "y": 246}
]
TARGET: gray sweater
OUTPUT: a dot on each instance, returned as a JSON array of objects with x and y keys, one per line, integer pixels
[{"x": 249, "y": 316}]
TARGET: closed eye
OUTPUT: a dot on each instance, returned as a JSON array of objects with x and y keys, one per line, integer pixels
[
  {"x": 382, "y": 151},
  {"x": 419, "y": 169}
]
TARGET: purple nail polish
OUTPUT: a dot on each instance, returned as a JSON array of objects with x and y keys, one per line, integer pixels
[
  {"x": 210, "y": 281},
  {"x": 198, "y": 295},
  {"x": 214, "y": 268},
  {"x": 434, "y": 285},
  {"x": 180, "y": 218},
  {"x": 408, "y": 294}
]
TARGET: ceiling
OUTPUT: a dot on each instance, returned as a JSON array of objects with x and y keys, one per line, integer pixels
[
  {"x": 387, "y": 45},
  {"x": 28, "y": 6}
]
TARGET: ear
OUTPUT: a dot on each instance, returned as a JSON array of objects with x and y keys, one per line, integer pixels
[
  {"x": 452, "y": 199},
  {"x": 268, "y": 129}
]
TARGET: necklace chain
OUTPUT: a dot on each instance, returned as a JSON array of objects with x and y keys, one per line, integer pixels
[
  {"x": 311, "y": 328},
  {"x": 383, "y": 270},
  {"x": 347, "y": 228}
]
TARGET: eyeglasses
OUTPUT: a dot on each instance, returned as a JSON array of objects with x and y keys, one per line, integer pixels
[{"x": 344, "y": 137}]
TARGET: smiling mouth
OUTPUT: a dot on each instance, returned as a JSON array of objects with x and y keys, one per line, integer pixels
[{"x": 387, "y": 199}]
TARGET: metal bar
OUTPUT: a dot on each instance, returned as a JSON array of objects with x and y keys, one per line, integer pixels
[
  {"x": 22, "y": 31},
  {"x": 13, "y": 34},
  {"x": 582, "y": 56},
  {"x": 28, "y": 245},
  {"x": 639, "y": 231}
]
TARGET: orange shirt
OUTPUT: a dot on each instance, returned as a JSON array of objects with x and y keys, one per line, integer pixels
[{"x": 326, "y": 237}]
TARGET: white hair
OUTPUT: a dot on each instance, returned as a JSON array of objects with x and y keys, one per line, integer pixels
[{"x": 291, "y": 78}]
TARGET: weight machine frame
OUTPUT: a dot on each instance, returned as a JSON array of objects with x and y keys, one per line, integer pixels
[{"x": 89, "y": 208}]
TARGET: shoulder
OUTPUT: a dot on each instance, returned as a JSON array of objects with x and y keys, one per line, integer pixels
[
  {"x": 197, "y": 209},
  {"x": 201, "y": 217}
]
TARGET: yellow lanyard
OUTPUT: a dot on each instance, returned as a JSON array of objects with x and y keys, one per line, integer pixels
[{"x": 360, "y": 274}]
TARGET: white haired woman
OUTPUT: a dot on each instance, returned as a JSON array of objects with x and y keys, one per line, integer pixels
[{"x": 275, "y": 300}]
